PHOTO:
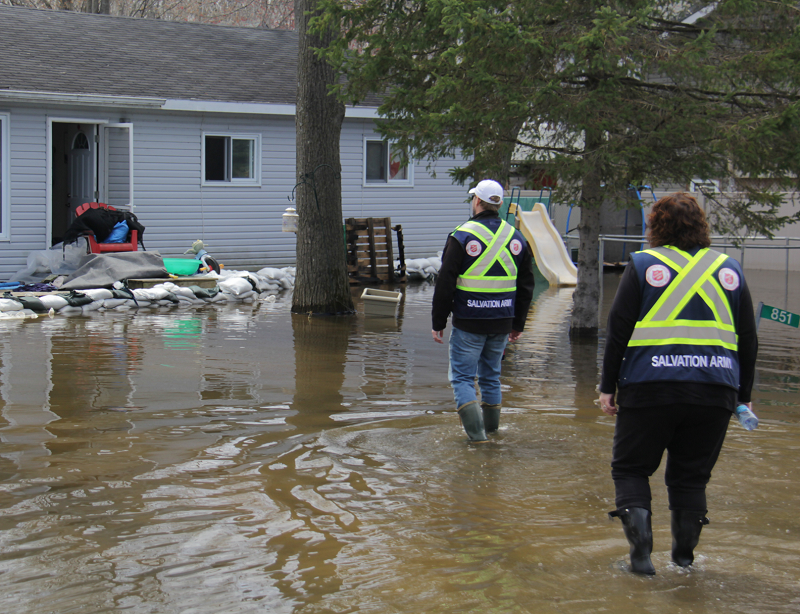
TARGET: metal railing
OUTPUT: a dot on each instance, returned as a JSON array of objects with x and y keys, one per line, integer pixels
[{"x": 717, "y": 242}]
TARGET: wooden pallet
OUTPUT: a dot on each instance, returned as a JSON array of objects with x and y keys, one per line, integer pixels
[{"x": 370, "y": 256}]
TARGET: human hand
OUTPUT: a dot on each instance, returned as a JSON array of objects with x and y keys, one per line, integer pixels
[
  {"x": 514, "y": 335},
  {"x": 438, "y": 336},
  {"x": 607, "y": 404}
]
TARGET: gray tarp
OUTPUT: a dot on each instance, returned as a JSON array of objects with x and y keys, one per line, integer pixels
[
  {"x": 58, "y": 260},
  {"x": 102, "y": 270}
]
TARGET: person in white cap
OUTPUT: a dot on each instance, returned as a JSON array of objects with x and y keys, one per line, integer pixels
[{"x": 486, "y": 282}]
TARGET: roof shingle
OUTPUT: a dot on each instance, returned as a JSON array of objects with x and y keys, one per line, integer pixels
[{"x": 78, "y": 53}]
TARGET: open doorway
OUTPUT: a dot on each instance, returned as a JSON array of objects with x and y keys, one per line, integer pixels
[
  {"x": 91, "y": 162},
  {"x": 75, "y": 173}
]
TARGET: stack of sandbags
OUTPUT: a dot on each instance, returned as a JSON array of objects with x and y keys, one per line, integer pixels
[
  {"x": 278, "y": 280},
  {"x": 424, "y": 268},
  {"x": 11, "y": 309},
  {"x": 232, "y": 286}
]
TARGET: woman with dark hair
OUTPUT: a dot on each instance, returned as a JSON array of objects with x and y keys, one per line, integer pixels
[{"x": 680, "y": 355}]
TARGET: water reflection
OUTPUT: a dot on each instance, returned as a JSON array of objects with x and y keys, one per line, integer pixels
[
  {"x": 320, "y": 356},
  {"x": 242, "y": 459},
  {"x": 584, "y": 353}
]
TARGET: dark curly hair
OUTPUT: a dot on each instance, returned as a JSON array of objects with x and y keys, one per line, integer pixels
[{"x": 678, "y": 220}]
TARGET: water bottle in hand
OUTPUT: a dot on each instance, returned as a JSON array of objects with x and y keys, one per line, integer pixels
[{"x": 746, "y": 417}]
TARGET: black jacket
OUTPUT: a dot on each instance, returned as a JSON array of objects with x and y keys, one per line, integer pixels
[{"x": 100, "y": 222}]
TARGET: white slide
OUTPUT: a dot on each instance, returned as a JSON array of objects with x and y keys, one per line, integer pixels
[{"x": 548, "y": 247}]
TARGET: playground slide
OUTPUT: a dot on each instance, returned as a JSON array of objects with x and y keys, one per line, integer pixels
[{"x": 548, "y": 247}]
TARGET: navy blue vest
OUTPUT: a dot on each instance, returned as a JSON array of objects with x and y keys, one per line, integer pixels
[
  {"x": 487, "y": 283},
  {"x": 689, "y": 315}
]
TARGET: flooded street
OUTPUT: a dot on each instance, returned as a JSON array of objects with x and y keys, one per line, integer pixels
[{"x": 239, "y": 459}]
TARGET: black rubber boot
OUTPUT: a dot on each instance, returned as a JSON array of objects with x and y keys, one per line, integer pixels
[
  {"x": 686, "y": 527},
  {"x": 472, "y": 421},
  {"x": 636, "y": 522},
  {"x": 491, "y": 417}
]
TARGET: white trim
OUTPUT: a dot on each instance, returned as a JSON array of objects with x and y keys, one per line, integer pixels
[
  {"x": 170, "y": 104},
  {"x": 104, "y": 189},
  {"x": 255, "y": 108},
  {"x": 5, "y": 176},
  {"x": 246, "y": 108},
  {"x": 395, "y": 183},
  {"x": 255, "y": 181},
  {"x": 95, "y": 100},
  {"x": 362, "y": 112},
  {"x": 74, "y": 120}
]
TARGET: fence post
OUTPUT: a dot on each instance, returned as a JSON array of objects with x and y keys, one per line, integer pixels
[
  {"x": 600, "y": 254},
  {"x": 786, "y": 278}
]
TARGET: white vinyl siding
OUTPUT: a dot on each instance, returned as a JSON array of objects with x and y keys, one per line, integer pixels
[
  {"x": 428, "y": 210},
  {"x": 241, "y": 227},
  {"x": 27, "y": 188},
  {"x": 119, "y": 172}
]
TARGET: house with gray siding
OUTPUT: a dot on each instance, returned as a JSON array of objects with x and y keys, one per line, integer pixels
[{"x": 191, "y": 127}]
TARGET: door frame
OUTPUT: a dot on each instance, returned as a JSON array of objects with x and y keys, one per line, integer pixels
[
  {"x": 104, "y": 166},
  {"x": 100, "y": 161},
  {"x": 49, "y": 153}
]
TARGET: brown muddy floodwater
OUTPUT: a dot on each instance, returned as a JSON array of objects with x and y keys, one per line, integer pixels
[{"x": 238, "y": 459}]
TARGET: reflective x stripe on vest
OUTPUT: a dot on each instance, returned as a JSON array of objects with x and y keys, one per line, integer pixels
[
  {"x": 695, "y": 277},
  {"x": 475, "y": 278}
]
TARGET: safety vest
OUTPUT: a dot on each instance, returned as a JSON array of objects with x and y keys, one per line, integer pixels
[
  {"x": 686, "y": 329},
  {"x": 487, "y": 285}
]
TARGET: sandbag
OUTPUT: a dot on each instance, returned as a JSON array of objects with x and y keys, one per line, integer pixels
[
  {"x": 53, "y": 301},
  {"x": 235, "y": 285},
  {"x": 77, "y": 299},
  {"x": 156, "y": 293},
  {"x": 270, "y": 273},
  {"x": 98, "y": 294},
  {"x": 70, "y": 309},
  {"x": 204, "y": 293},
  {"x": 113, "y": 303},
  {"x": 9, "y": 304},
  {"x": 32, "y": 303}
]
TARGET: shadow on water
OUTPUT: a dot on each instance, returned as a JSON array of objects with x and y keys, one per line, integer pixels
[{"x": 244, "y": 459}]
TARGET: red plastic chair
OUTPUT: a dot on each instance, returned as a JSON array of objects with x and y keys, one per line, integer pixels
[{"x": 99, "y": 248}]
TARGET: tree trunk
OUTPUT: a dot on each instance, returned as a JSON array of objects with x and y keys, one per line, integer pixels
[
  {"x": 321, "y": 284},
  {"x": 100, "y": 7},
  {"x": 586, "y": 299}
]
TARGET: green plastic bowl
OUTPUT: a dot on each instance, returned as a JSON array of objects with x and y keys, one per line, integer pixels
[{"x": 181, "y": 266}]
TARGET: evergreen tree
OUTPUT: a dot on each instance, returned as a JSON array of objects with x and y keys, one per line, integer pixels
[{"x": 600, "y": 95}]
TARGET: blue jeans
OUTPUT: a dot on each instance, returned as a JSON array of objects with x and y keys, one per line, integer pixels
[{"x": 472, "y": 354}]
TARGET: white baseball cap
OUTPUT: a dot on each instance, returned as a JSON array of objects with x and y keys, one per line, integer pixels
[{"x": 489, "y": 191}]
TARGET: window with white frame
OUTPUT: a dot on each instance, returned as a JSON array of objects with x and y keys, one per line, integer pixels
[
  {"x": 231, "y": 158},
  {"x": 5, "y": 171},
  {"x": 382, "y": 164}
]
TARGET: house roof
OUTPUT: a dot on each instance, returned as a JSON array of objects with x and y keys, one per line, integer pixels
[{"x": 79, "y": 53}]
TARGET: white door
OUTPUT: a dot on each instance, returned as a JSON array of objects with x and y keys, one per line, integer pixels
[
  {"x": 117, "y": 165},
  {"x": 81, "y": 167}
]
